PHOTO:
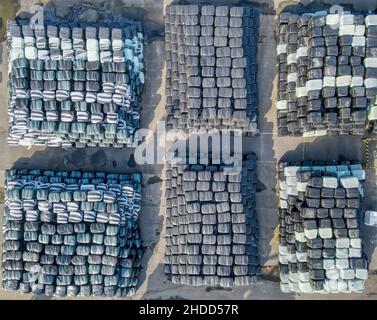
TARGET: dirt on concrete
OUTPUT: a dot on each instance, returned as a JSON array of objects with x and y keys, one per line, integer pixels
[{"x": 8, "y": 10}]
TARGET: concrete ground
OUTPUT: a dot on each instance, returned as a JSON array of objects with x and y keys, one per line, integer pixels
[{"x": 269, "y": 148}]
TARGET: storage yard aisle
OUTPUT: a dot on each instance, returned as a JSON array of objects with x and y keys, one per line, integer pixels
[{"x": 269, "y": 148}]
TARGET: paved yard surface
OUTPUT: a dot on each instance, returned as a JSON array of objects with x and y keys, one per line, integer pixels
[{"x": 269, "y": 148}]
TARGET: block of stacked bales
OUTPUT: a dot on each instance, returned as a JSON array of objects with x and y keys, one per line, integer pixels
[
  {"x": 73, "y": 86},
  {"x": 371, "y": 67},
  {"x": 71, "y": 234},
  {"x": 325, "y": 84},
  {"x": 212, "y": 227},
  {"x": 211, "y": 67},
  {"x": 320, "y": 248}
]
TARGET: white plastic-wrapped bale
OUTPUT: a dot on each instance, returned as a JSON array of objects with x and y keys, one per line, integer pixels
[
  {"x": 214, "y": 54},
  {"x": 212, "y": 239},
  {"x": 320, "y": 244},
  {"x": 70, "y": 66},
  {"x": 60, "y": 257}
]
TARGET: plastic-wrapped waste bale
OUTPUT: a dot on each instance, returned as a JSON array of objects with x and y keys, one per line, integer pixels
[
  {"x": 319, "y": 232},
  {"x": 209, "y": 94},
  {"x": 207, "y": 233},
  {"x": 78, "y": 257},
  {"x": 65, "y": 65}
]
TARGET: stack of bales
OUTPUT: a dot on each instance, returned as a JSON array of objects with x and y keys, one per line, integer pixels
[
  {"x": 211, "y": 67},
  {"x": 327, "y": 73},
  {"x": 73, "y": 86},
  {"x": 212, "y": 229},
  {"x": 371, "y": 66},
  {"x": 71, "y": 233},
  {"x": 320, "y": 243}
]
